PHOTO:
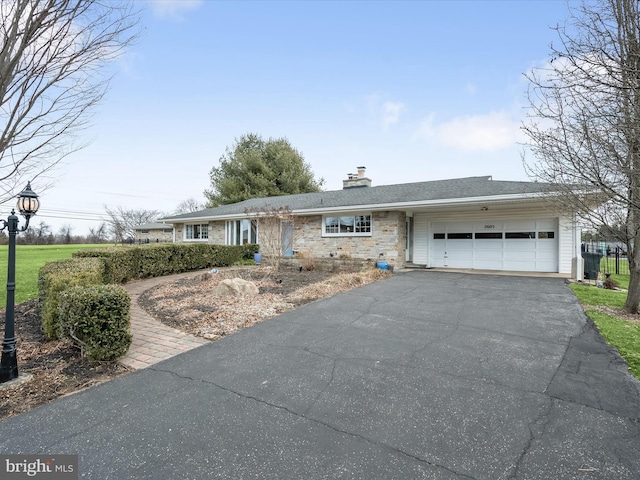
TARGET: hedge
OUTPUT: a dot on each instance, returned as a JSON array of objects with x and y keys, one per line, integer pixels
[
  {"x": 97, "y": 319},
  {"x": 102, "y": 266},
  {"x": 123, "y": 264},
  {"x": 55, "y": 277}
]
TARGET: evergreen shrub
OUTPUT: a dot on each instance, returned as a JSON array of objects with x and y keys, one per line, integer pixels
[
  {"x": 97, "y": 319},
  {"x": 56, "y": 277},
  {"x": 127, "y": 263}
]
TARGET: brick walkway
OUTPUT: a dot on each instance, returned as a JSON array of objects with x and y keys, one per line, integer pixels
[{"x": 152, "y": 340}]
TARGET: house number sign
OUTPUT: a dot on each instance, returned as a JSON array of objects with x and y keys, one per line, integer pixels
[{"x": 489, "y": 226}]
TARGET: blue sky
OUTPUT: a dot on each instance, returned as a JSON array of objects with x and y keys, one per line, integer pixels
[{"x": 414, "y": 91}]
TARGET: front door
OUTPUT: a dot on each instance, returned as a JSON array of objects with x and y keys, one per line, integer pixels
[{"x": 287, "y": 239}]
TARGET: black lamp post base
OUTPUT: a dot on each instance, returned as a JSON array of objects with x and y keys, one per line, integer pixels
[{"x": 8, "y": 366}]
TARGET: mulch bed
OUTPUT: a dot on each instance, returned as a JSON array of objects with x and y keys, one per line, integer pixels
[
  {"x": 192, "y": 306},
  {"x": 56, "y": 366}
]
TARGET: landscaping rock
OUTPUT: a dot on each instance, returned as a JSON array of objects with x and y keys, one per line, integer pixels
[{"x": 235, "y": 286}]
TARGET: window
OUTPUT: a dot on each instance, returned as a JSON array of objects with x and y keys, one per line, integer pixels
[
  {"x": 144, "y": 232},
  {"x": 459, "y": 236},
  {"x": 351, "y": 225},
  {"x": 546, "y": 234},
  {"x": 167, "y": 230},
  {"x": 438, "y": 236},
  {"x": 488, "y": 235},
  {"x": 520, "y": 235},
  {"x": 196, "y": 232},
  {"x": 241, "y": 232}
]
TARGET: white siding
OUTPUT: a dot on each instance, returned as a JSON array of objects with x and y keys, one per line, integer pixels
[
  {"x": 566, "y": 244},
  {"x": 420, "y": 239}
]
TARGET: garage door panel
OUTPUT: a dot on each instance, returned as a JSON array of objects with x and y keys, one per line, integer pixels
[
  {"x": 519, "y": 255},
  {"x": 459, "y": 245},
  {"x": 489, "y": 245},
  {"x": 521, "y": 246},
  {"x": 520, "y": 265},
  {"x": 496, "y": 245},
  {"x": 491, "y": 254},
  {"x": 488, "y": 264},
  {"x": 551, "y": 266},
  {"x": 545, "y": 256},
  {"x": 457, "y": 263}
]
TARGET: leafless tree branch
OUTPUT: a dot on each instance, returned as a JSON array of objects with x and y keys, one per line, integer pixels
[
  {"x": 53, "y": 72},
  {"x": 583, "y": 122}
]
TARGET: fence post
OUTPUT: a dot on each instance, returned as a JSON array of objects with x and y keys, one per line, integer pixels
[{"x": 617, "y": 260}]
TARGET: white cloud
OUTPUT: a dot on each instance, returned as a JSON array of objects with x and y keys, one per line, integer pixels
[
  {"x": 391, "y": 113},
  {"x": 490, "y": 132},
  {"x": 173, "y": 9}
]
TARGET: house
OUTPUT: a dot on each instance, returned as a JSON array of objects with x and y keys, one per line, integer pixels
[
  {"x": 153, "y": 232},
  {"x": 469, "y": 223}
]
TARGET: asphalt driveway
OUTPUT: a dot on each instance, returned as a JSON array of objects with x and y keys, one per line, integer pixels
[{"x": 425, "y": 375}]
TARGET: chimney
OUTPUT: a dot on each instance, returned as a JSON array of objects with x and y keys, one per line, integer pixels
[{"x": 356, "y": 181}]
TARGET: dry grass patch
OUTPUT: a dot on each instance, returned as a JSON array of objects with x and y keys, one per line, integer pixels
[{"x": 190, "y": 305}]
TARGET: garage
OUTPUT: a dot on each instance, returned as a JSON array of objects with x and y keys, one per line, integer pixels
[{"x": 517, "y": 245}]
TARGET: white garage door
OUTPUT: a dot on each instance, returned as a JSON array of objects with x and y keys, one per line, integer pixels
[{"x": 528, "y": 245}]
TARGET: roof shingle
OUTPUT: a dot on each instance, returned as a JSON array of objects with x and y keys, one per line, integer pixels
[{"x": 458, "y": 188}]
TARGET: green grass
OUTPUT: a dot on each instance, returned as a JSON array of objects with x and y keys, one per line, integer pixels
[
  {"x": 622, "y": 334},
  {"x": 622, "y": 279},
  {"x": 589, "y": 295},
  {"x": 29, "y": 259}
]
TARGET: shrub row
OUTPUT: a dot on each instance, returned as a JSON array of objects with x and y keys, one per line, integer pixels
[
  {"x": 78, "y": 300},
  {"x": 124, "y": 264}
]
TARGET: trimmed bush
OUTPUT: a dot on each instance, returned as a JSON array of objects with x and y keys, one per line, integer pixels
[
  {"x": 121, "y": 264},
  {"x": 55, "y": 277},
  {"x": 127, "y": 263},
  {"x": 249, "y": 250},
  {"x": 97, "y": 319}
]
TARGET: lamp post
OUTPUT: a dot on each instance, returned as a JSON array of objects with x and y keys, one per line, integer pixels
[{"x": 28, "y": 205}]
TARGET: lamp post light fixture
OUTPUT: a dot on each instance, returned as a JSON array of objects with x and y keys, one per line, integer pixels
[{"x": 28, "y": 205}]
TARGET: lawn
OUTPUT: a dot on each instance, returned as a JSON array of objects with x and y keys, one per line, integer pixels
[
  {"x": 29, "y": 259},
  {"x": 608, "y": 265},
  {"x": 622, "y": 334}
]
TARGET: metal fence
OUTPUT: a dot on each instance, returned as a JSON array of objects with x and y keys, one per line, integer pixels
[{"x": 613, "y": 256}]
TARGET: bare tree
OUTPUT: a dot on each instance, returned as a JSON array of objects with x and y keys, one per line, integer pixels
[
  {"x": 278, "y": 228},
  {"x": 64, "y": 234},
  {"x": 51, "y": 58},
  {"x": 188, "y": 206},
  {"x": 122, "y": 221},
  {"x": 42, "y": 233},
  {"x": 98, "y": 234},
  {"x": 583, "y": 125}
]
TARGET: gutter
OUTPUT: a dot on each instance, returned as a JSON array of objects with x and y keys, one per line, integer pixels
[{"x": 380, "y": 206}]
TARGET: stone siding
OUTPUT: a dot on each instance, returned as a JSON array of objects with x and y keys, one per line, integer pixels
[
  {"x": 387, "y": 241},
  {"x": 333, "y": 265},
  {"x": 216, "y": 233},
  {"x": 154, "y": 235}
]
